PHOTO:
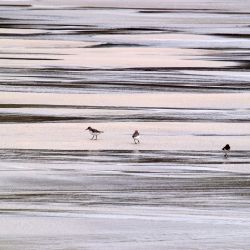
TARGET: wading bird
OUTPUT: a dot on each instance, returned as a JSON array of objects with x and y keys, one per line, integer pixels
[
  {"x": 94, "y": 132},
  {"x": 226, "y": 149},
  {"x": 136, "y": 137}
]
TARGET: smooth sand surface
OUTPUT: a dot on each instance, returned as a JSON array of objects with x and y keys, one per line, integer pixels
[
  {"x": 154, "y": 136},
  {"x": 175, "y": 100}
]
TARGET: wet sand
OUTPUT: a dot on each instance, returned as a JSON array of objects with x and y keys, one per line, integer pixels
[
  {"x": 154, "y": 100},
  {"x": 124, "y": 199},
  {"x": 178, "y": 71},
  {"x": 166, "y": 136}
]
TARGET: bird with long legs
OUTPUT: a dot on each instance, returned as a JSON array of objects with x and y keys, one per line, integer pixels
[
  {"x": 226, "y": 149},
  {"x": 136, "y": 137},
  {"x": 94, "y": 132}
]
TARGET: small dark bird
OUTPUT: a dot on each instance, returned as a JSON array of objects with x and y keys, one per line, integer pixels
[
  {"x": 136, "y": 137},
  {"x": 226, "y": 149},
  {"x": 94, "y": 132}
]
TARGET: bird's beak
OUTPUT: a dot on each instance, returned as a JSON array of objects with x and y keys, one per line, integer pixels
[{"x": 86, "y": 129}]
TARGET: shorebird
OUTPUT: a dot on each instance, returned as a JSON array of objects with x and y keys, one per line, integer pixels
[
  {"x": 94, "y": 132},
  {"x": 136, "y": 136},
  {"x": 226, "y": 149}
]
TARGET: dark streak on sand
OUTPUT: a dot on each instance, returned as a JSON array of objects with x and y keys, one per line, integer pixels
[
  {"x": 157, "y": 79},
  {"x": 28, "y": 59},
  {"x": 13, "y": 113},
  {"x": 110, "y": 45},
  {"x": 27, "y": 118},
  {"x": 187, "y": 157},
  {"x": 16, "y": 5},
  {"x": 247, "y": 36}
]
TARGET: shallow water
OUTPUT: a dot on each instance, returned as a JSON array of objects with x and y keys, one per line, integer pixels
[{"x": 178, "y": 71}]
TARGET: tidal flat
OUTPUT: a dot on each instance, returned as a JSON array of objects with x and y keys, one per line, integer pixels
[{"x": 178, "y": 71}]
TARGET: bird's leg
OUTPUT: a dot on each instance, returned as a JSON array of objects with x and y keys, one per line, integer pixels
[
  {"x": 96, "y": 137},
  {"x": 92, "y": 137},
  {"x": 135, "y": 141},
  {"x": 138, "y": 140}
]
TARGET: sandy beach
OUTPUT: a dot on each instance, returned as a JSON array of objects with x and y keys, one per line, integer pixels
[{"x": 177, "y": 71}]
